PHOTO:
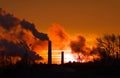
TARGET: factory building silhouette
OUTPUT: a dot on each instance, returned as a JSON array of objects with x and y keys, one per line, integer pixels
[{"x": 50, "y": 54}]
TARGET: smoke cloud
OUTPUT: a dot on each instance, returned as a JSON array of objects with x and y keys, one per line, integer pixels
[
  {"x": 78, "y": 45},
  {"x": 59, "y": 37},
  {"x": 14, "y": 31},
  {"x": 7, "y": 20},
  {"x": 17, "y": 49},
  {"x": 29, "y": 26},
  {"x": 20, "y": 37}
]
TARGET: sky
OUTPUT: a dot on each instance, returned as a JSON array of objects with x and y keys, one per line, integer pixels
[
  {"x": 75, "y": 16},
  {"x": 62, "y": 19}
]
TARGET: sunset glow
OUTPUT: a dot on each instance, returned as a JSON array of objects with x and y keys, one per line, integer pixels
[
  {"x": 24, "y": 35},
  {"x": 71, "y": 26},
  {"x": 59, "y": 38}
]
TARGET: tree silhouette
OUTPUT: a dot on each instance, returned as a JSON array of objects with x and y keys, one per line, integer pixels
[{"x": 111, "y": 44}]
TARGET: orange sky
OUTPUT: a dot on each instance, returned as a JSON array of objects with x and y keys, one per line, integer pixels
[
  {"x": 90, "y": 18},
  {"x": 75, "y": 16}
]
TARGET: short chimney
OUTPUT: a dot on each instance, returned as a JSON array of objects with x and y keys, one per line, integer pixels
[{"x": 62, "y": 57}]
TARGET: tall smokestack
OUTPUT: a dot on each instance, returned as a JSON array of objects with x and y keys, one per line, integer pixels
[
  {"x": 49, "y": 53},
  {"x": 62, "y": 57}
]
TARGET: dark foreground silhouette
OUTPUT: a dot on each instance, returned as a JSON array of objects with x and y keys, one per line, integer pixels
[{"x": 70, "y": 70}]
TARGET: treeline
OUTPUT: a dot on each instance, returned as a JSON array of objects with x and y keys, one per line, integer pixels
[{"x": 109, "y": 47}]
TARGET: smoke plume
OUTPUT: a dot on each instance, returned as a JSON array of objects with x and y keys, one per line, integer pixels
[
  {"x": 78, "y": 45},
  {"x": 16, "y": 49},
  {"x": 14, "y": 32},
  {"x": 8, "y": 21},
  {"x": 59, "y": 37},
  {"x": 21, "y": 38},
  {"x": 29, "y": 26}
]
